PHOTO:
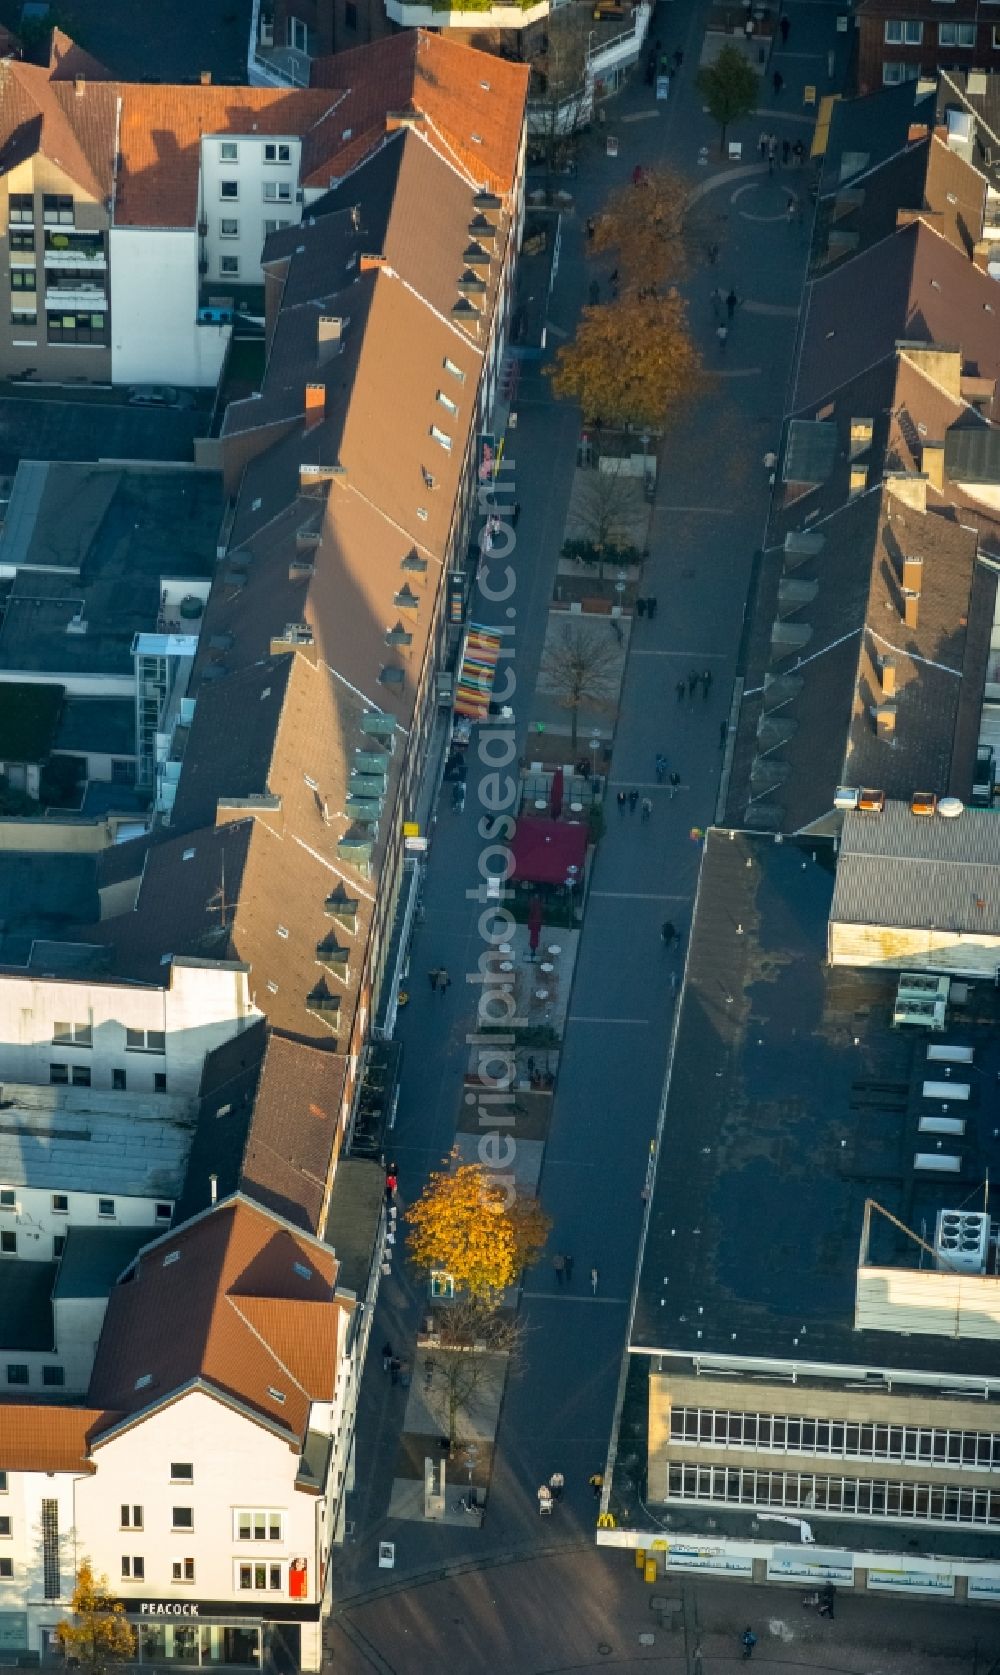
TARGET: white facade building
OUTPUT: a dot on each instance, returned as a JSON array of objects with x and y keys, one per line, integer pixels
[{"x": 205, "y": 1476}]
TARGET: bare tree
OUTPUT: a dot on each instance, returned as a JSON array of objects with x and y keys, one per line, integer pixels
[
  {"x": 560, "y": 96},
  {"x": 582, "y": 670},
  {"x": 604, "y": 511},
  {"x": 472, "y": 1332}
]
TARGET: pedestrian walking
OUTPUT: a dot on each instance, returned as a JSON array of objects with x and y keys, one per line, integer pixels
[
  {"x": 772, "y": 152},
  {"x": 569, "y": 1269},
  {"x": 596, "y": 1481},
  {"x": 675, "y": 780},
  {"x": 594, "y": 1280},
  {"x": 712, "y": 252},
  {"x": 391, "y": 1183},
  {"x": 762, "y": 146},
  {"x": 640, "y": 607},
  {"x": 394, "y": 1366},
  {"x": 722, "y": 333},
  {"x": 777, "y": 82},
  {"x": 790, "y": 211},
  {"x": 651, "y": 606},
  {"x": 433, "y": 975},
  {"x": 784, "y": 25},
  {"x": 661, "y": 767},
  {"x": 748, "y": 1640},
  {"x": 559, "y": 1264},
  {"x": 786, "y": 152},
  {"x": 621, "y": 802},
  {"x": 633, "y": 798},
  {"x": 637, "y": 179},
  {"x": 544, "y": 1501},
  {"x": 692, "y": 682},
  {"x": 386, "y": 1356},
  {"x": 732, "y": 301},
  {"x": 678, "y": 58},
  {"x": 718, "y": 302},
  {"x": 668, "y": 931},
  {"x": 591, "y": 226},
  {"x": 680, "y": 690},
  {"x": 444, "y": 981},
  {"x": 706, "y": 681},
  {"x": 594, "y": 294},
  {"x": 557, "y": 1484},
  {"x": 723, "y": 732},
  {"x": 799, "y": 153},
  {"x": 647, "y": 808},
  {"x": 515, "y": 514}
]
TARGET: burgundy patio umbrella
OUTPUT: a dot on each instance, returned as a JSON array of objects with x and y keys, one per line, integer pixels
[
  {"x": 535, "y": 923},
  {"x": 556, "y": 796}
]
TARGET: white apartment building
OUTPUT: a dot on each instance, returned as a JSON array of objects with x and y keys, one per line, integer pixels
[{"x": 202, "y": 1478}]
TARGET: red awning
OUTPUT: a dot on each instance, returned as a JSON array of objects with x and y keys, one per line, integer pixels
[{"x": 545, "y": 850}]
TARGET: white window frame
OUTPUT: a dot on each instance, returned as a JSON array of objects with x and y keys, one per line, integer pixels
[
  {"x": 229, "y": 197},
  {"x": 271, "y": 1567},
  {"x": 270, "y": 226},
  {"x": 229, "y": 227},
  {"x": 229, "y": 151},
  {"x": 277, "y": 191},
  {"x": 229, "y": 267},
  {"x": 263, "y": 1512},
  {"x": 277, "y": 146},
  {"x": 135, "y": 1047},
  {"x": 297, "y": 34},
  {"x": 177, "y": 1567}
]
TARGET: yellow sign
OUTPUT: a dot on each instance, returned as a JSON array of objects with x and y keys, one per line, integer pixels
[
  {"x": 411, "y": 828},
  {"x": 606, "y": 1521}
]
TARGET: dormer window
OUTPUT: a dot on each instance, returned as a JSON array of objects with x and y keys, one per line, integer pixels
[{"x": 442, "y": 439}]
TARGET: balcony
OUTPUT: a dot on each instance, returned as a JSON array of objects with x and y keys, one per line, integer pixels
[
  {"x": 413, "y": 15},
  {"x": 75, "y": 250},
  {"x": 91, "y": 298}
]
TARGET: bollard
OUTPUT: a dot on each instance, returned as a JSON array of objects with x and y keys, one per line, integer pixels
[
  {"x": 640, "y": 1558},
  {"x": 649, "y": 1571}
]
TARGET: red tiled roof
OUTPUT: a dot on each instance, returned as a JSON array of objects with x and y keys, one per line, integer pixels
[
  {"x": 472, "y": 102},
  {"x": 246, "y": 1305},
  {"x": 37, "y": 1437}
]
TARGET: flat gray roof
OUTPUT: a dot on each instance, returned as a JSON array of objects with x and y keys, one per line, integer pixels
[
  {"x": 100, "y": 725},
  {"x": 93, "y": 543},
  {"x": 354, "y": 1218},
  {"x": 42, "y": 896},
  {"x": 791, "y": 1101},
  {"x": 94, "y": 1140},
  {"x": 94, "y": 1257},
  {"x": 26, "y": 1304},
  {"x": 920, "y": 872}
]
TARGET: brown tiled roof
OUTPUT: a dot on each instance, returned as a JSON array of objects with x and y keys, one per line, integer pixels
[
  {"x": 75, "y": 131},
  {"x": 67, "y": 60},
  {"x": 36, "y": 1436},
  {"x": 296, "y": 1131},
  {"x": 805, "y": 723},
  {"x": 478, "y": 127},
  {"x": 246, "y": 1305},
  {"x": 917, "y": 287}
]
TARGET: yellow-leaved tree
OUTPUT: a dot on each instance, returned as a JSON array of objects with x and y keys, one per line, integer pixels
[
  {"x": 650, "y": 228},
  {"x": 98, "y": 1633},
  {"x": 630, "y": 362},
  {"x": 461, "y": 1225}
]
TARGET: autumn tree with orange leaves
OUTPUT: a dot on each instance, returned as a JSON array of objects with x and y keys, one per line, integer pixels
[
  {"x": 650, "y": 229},
  {"x": 462, "y": 1225},
  {"x": 630, "y": 362}
]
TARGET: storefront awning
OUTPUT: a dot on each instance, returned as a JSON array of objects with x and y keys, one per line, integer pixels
[
  {"x": 548, "y": 851},
  {"x": 475, "y": 678}
]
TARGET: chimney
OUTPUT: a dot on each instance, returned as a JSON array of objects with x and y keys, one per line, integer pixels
[
  {"x": 79, "y": 86},
  {"x": 315, "y": 404},
  {"x": 932, "y": 461},
  {"x": 366, "y": 263},
  {"x": 911, "y": 609},
  {"x": 885, "y": 720},
  {"x": 213, "y": 1188},
  {"x": 887, "y": 673},
  {"x": 329, "y": 337},
  {"x": 205, "y": 77},
  {"x": 910, "y": 487},
  {"x": 917, "y": 131},
  {"x": 913, "y": 569}
]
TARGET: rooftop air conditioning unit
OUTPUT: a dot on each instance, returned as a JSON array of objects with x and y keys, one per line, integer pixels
[
  {"x": 922, "y": 985},
  {"x": 962, "y": 1241}
]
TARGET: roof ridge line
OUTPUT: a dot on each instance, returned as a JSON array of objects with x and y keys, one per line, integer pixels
[
  {"x": 911, "y": 656},
  {"x": 462, "y": 337},
  {"x": 352, "y": 883},
  {"x": 275, "y": 1357},
  {"x": 959, "y": 401}
]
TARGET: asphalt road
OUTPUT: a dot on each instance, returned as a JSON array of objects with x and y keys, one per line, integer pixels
[{"x": 709, "y": 516}]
